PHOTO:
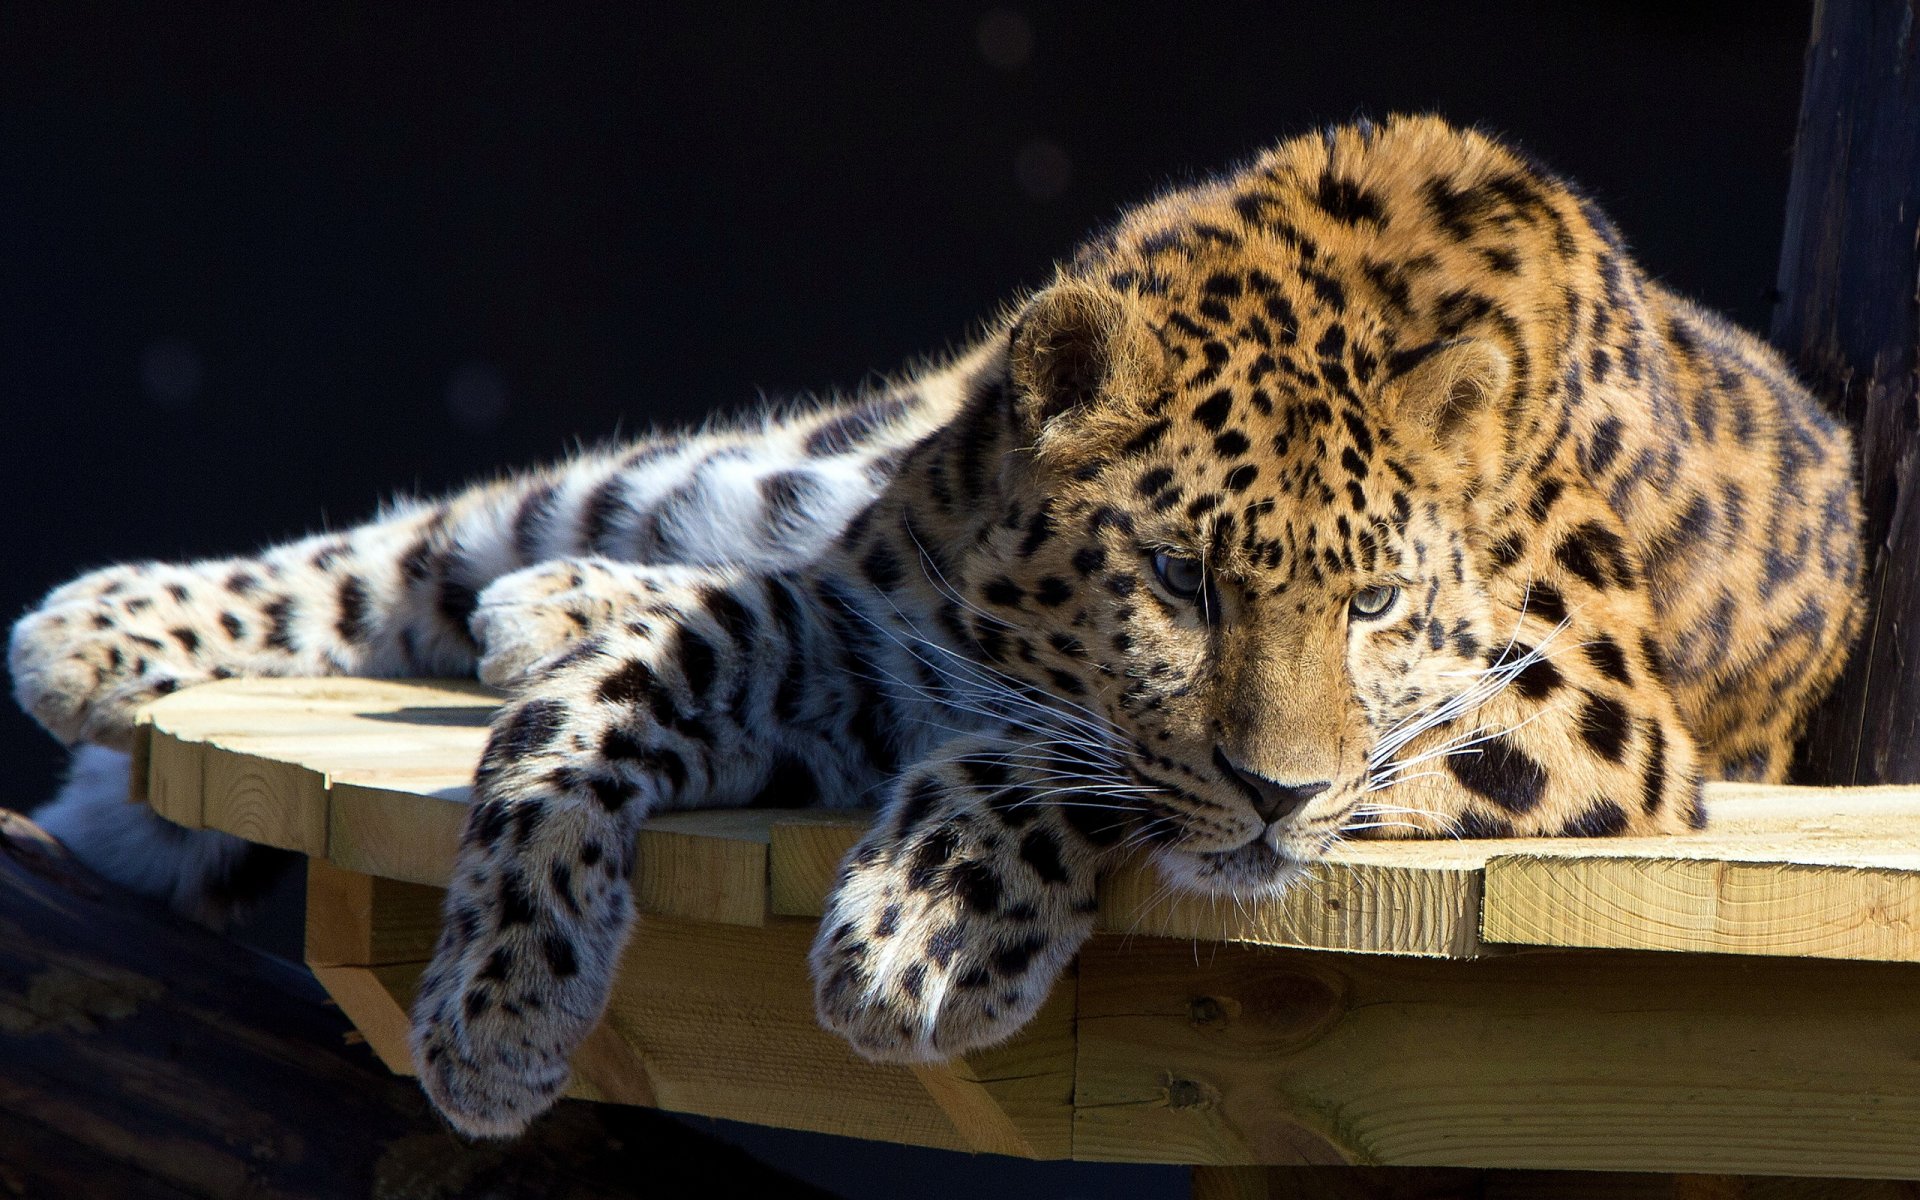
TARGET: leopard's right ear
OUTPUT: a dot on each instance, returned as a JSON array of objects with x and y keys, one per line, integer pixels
[{"x": 1075, "y": 348}]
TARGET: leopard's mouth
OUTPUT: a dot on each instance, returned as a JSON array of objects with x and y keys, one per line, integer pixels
[{"x": 1257, "y": 868}]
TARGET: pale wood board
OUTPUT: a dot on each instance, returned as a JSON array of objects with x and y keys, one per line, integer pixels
[
  {"x": 722, "y": 1019},
  {"x": 385, "y": 829},
  {"x": 722, "y": 1016},
  {"x": 175, "y": 786},
  {"x": 372, "y": 775},
  {"x": 1791, "y": 871},
  {"x": 704, "y": 866},
  {"x": 1706, "y": 905},
  {"x": 804, "y": 856},
  {"x": 1376, "y": 897},
  {"x": 265, "y": 800},
  {"x": 1613, "y": 1061},
  {"x": 375, "y": 999}
]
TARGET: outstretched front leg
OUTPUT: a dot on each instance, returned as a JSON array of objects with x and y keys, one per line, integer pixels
[
  {"x": 689, "y": 697},
  {"x": 955, "y": 914}
]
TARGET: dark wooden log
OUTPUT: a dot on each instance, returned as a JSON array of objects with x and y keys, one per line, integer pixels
[
  {"x": 1849, "y": 316},
  {"x": 141, "y": 1056}
]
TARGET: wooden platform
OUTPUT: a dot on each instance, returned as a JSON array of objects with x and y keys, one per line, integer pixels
[{"x": 1745, "y": 1000}]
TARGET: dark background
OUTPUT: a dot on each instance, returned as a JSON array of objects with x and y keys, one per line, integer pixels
[{"x": 259, "y": 268}]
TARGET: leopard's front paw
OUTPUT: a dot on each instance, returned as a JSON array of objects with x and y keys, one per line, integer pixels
[
  {"x": 508, "y": 997},
  {"x": 534, "y": 921},
  {"x": 93, "y": 653},
  {"x": 490, "y": 1072},
  {"x": 526, "y": 620},
  {"x": 938, "y": 944}
]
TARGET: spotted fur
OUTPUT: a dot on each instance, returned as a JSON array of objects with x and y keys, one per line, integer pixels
[{"x": 1369, "y": 490}]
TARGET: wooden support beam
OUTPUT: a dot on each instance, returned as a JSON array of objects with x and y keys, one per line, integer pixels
[
  {"x": 715, "y": 1018},
  {"x": 1605, "y": 1061},
  {"x": 367, "y": 921}
]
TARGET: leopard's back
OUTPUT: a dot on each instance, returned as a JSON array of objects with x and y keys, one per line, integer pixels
[{"x": 1747, "y": 516}]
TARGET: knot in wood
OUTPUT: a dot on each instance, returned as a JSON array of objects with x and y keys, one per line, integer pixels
[
  {"x": 1189, "y": 1093},
  {"x": 1212, "y": 1011}
]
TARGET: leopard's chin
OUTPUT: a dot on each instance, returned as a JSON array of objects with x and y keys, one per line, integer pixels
[{"x": 1256, "y": 870}]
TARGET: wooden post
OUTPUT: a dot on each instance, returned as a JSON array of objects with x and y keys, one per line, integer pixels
[{"x": 1849, "y": 316}]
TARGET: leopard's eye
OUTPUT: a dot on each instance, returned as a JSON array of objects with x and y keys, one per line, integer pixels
[
  {"x": 1180, "y": 575},
  {"x": 1371, "y": 602}
]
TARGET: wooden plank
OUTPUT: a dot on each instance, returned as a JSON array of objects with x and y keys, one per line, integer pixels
[
  {"x": 1015, "y": 1099},
  {"x": 1376, "y": 897},
  {"x": 718, "y": 1020},
  {"x": 397, "y": 833},
  {"x": 722, "y": 1018},
  {"x": 265, "y": 800},
  {"x": 804, "y": 857},
  {"x": 1610, "y": 1061},
  {"x": 1388, "y": 897},
  {"x": 390, "y": 762},
  {"x": 704, "y": 866},
  {"x": 1797, "y": 872},
  {"x": 364, "y": 920},
  {"x": 175, "y": 784},
  {"x": 1704, "y": 905},
  {"x": 709, "y": 865},
  {"x": 376, "y": 999},
  {"x": 211, "y": 746}
]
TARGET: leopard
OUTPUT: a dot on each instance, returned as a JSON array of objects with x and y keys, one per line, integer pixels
[{"x": 1370, "y": 489}]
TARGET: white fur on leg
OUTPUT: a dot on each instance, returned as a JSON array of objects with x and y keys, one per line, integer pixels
[{"x": 132, "y": 845}]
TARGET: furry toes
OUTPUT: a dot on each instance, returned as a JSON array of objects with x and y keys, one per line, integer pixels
[
  {"x": 97, "y": 650},
  {"x": 952, "y": 918},
  {"x": 528, "y": 620},
  {"x": 523, "y": 966}
]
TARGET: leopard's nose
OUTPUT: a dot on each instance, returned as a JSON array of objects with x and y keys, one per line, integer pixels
[{"x": 1272, "y": 799}]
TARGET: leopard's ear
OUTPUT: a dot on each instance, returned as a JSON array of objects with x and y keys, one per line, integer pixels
[
  {"x": 1450, "y": 388},
  {"x": 1076, "y": 344}
]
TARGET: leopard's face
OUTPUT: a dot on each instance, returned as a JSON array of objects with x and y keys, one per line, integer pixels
[{"x": 1256, "y": 590}]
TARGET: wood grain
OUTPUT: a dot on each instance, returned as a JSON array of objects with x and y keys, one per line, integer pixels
[
  {"x": 1376, "y": 897},
  {"x": 704, "y": 866},
  {"x": 356, "y": 920},
  {"x": 1706, "y": 905},
  {"x": 806, "y": 849},
  {"x": 1789, "y": 871},
  {"x": 1610, "y": 1061}
]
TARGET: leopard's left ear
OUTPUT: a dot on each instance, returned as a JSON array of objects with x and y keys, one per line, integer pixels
[
  {"x": 1450, "y": 388},
  {"x": 1075, "y": 344}
]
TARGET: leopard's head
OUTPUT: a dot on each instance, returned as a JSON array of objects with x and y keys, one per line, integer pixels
[{"x": 1238, "y": 554}]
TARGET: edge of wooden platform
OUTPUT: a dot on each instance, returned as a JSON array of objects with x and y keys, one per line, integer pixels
[{"x": 371, "y": 777}]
